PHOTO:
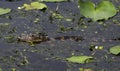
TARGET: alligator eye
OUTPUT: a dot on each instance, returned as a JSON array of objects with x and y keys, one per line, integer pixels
[{"x": 18, "y": 37}]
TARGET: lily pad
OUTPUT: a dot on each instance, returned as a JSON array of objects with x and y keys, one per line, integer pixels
[
  {"x": 115, "y": 50},
  {"x": 34, "y": 5},
  {"x": 4, "y": 11},
  {"x": 52, "y": 0},
  {"x": 79, "y": 59},
  {"x": 104, "y": 10}
]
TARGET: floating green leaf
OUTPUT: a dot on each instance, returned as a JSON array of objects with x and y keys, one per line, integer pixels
[
  {"x": 115, "y": 50},
  {"x": 4, "y": 11},
  {"x": 85, "y": 69},
  {"x": 79, "y": 59},
  {"x": 34, "y": 5},
  {"x": 57, "y": 16},
  {"x": 103, "y": 10},
  {"x": 52, "y": 0}
]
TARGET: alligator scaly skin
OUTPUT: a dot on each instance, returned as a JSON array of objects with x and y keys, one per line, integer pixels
[{"x": 38, "y": 38}]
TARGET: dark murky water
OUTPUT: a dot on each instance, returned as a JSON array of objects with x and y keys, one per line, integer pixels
[{"x": 50, "y": 55}]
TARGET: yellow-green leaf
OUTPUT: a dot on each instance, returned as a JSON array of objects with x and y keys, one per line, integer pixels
[
  {"x": 79, "y": 59},
  {"x": 4, "y": 11},
  {"x": 34, "y": 5},
  {"x": 52, "y": 0},
  {"x": 115, "y": 50}
]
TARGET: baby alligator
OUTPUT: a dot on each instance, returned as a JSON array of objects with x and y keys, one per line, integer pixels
[{"x": 38, "y": 38}]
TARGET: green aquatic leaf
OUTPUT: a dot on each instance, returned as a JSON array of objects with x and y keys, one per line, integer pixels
[
  {"x": 79, "y": 59},
  {"x": 34, "y": 5},
  {"x": 57, "y": 15},
  {"x": 52, "y": 0},
  {"x": 85, "y": 69},
  {"x": 103, "y": 10},
  {"x": 4, "y": 11},
  {"x": 115, "y": 50}
]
